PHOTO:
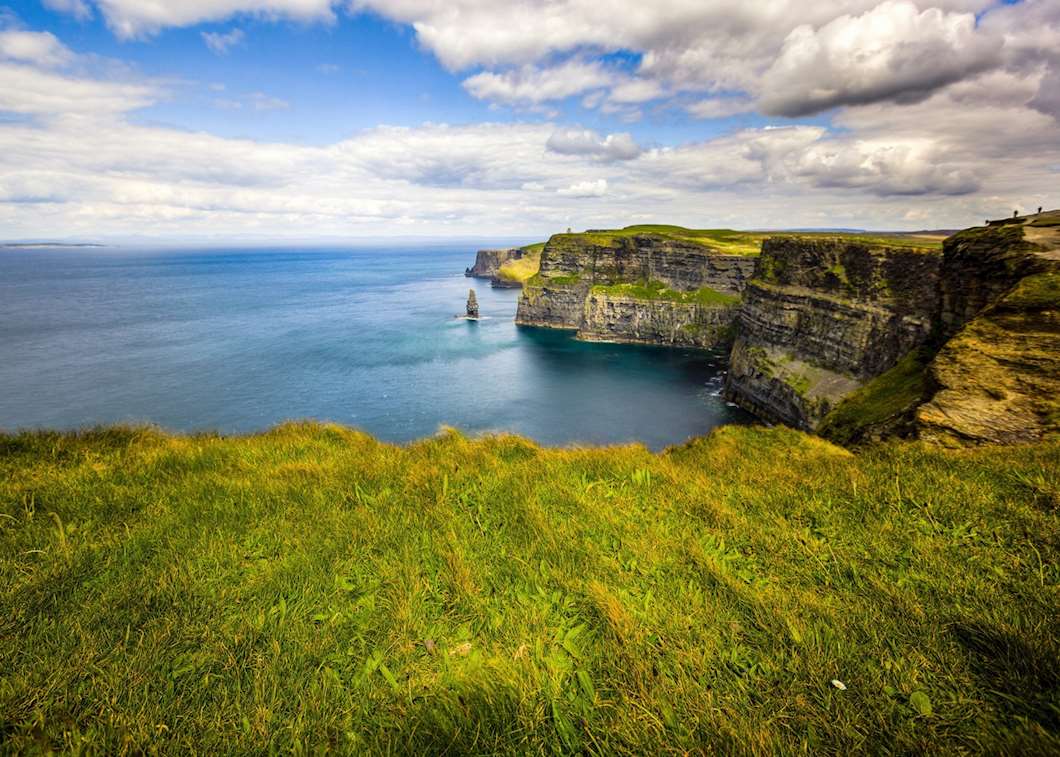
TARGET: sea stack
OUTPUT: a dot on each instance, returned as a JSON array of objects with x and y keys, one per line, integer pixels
[{"x": 472, "y": 305}]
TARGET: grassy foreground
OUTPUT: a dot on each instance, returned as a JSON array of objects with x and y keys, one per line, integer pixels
[{"x": 312, "y": 588}]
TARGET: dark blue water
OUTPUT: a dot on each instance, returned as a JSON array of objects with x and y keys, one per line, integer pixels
[{"x": 239, "y": 340}]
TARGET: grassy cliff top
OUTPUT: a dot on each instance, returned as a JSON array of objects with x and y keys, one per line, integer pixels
[
  {"x": 730, "y": 242},
  {"x": 312, "y": 589}
]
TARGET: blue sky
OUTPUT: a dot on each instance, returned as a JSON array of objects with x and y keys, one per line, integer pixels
[{"x": 334, "y": 119}]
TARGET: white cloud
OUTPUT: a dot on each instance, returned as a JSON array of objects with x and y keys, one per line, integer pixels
[
  {"x": 530, "y": 84},
  {"x": 720, "y": 107},
  {"x": 791, "y": 56},
  {"x": 77, "y": 8},
  {"x": 74, "y": 161},
  {"x": 28, "y": 90},
  {"x": 138, "y": 18},
  {"x": 38, "y": 48},
  {"x": 596, "y": 188},
  {"x": 885, "y": 167},
  {"x": 220, "y": 43},
  {"x": 893, "y": 52},
  {"x": 586, "y": 142},
  {"x": 636, "y": 91}
]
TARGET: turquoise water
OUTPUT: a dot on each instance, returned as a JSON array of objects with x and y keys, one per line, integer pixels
[{"x": 239, "y": 340}]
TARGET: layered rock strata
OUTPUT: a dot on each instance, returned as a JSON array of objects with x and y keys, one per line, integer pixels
[
  {"x": 997, "y": 380},
  {"x": 821, "y": 317},
  {"x": 618, "y": 318},
  {"x": 566, "y": 292},
  {"x": 991, "y": 373}
]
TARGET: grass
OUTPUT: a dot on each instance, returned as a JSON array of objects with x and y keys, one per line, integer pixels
[
  {"x": 730, "y": 242},
  {"x": 312, "y": 589},
  {"x": 885, "y": 402},
  {"x": 522, "y": 269},
  {"x": 539, "y": 280},
  {"x": 657, "y": 290}
]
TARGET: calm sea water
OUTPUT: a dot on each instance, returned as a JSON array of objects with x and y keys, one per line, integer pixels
[{"x": 239, "y": 340}]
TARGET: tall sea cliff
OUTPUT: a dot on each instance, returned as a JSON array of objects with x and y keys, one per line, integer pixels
[
  {"x": 637, "y": 286},
  {"x": 857, "y": 337}
]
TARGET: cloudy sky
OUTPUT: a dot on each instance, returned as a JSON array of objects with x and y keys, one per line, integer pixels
[{"x": 314, "y": 119}]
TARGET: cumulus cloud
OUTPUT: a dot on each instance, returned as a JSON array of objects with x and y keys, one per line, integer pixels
[
  {"x": 220, "y": 43},
  {"x": 38, "y": 48},
  {"x": 720, "y": 107},
  {"x": 791, "y": 57},
  {"x": 75, "y": 160},
  {"x": 33, "y": 91},
  {"x": 138, "y": 18},
  {"x": 77, "y": 8},
  {"x": 586, "y": 142},
  {"x": 827, "y": 54},
  {"x": 532, "y": 85},
  {"x": 893, "y": 52},
  {"x": 885, "y": 168},
  {"x": 596, "y": 188}
]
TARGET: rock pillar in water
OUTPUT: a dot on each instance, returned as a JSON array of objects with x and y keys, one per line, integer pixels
[{"x": 472, "y": 304}]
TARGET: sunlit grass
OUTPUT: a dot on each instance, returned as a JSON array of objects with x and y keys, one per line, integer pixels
[
  {"x": 730, "y": 242},
  {"x": 312, "y": 589},
  {"x": 521, "y": 269},
  {"x": 657, "y": 290}
]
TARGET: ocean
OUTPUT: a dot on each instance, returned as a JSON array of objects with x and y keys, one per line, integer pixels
[{"x": 238, "y": 340}]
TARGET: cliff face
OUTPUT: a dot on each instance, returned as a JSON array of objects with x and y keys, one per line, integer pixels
[
  {"x": 488, "y": 262},
  {"x": 991, "y": 374},
  {"x": 618, "y": 318},
  {"x": 554, "y": 304},
  {"x": 681, "y": 265},
  {"x": 822, "y": 316},
  {"x": 574, "y": 267},
  {"x": 997, "y": 380}
]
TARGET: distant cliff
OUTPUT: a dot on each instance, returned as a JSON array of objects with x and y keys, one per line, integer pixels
[
  {"x": 506, "y": 268},
  {"x": 666, "y": 287},
  {"x": 488, "y": 262}
]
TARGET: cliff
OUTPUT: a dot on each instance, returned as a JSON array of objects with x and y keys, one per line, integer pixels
[
  {"x": 667, "y": 287},
  {"x": 488, "y": 262},
  {"x": 507, "y": 269},
  {"x": 991, "y": 373},
  {"x": 857, "y": 337},
  {"x": 822, "y": 316}
]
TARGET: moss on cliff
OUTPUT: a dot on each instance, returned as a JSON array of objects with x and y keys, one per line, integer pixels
[
  {"x": 999, "y": 377},
  {"x": 657, "y": 290},
  {"x": 884, "y": 406},
  {"x": 732, "y": 242}
]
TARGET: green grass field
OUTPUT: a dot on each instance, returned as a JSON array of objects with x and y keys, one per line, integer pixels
[{"x": 312, "y": 589}]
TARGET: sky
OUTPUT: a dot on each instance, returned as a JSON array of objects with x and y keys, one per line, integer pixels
[{"x": 302, "y": 120}]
